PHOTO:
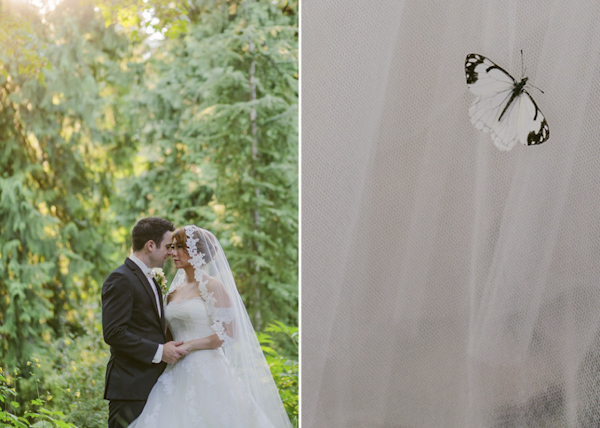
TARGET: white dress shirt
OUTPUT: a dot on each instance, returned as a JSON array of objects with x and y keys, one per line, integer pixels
[{"x": 149, "y": 276}]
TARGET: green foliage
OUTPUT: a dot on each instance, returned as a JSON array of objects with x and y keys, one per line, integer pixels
[
  {"x": 72, "y": 372},
  {"x": 57, "y": 160},
  {"x": 280, "y": 345},
  {"x": 222, "y": 131},
  {"x": 38, "y": 411},
  {"x": 21, "y": 41}
]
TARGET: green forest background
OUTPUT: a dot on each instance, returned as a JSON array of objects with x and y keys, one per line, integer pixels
[{"x": 114, "y": 110}]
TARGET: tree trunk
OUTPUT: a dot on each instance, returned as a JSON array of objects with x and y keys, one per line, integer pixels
[{"x": 255, "y": 212}]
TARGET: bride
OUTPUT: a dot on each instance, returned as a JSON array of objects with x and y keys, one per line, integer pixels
[{"x": 224, "y": 381}]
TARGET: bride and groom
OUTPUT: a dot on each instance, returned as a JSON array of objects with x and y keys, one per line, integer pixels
[{"x": 194, "y": 360}]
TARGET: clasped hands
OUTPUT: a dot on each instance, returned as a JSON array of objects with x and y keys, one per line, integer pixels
[{"x": 172, "y": 351}]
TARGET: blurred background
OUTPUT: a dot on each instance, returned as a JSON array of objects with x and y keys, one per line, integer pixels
[{"x": 111, "y": 111}]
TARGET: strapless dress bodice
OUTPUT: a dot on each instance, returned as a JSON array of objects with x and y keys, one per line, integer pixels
[{"x": 188, "y": 319}]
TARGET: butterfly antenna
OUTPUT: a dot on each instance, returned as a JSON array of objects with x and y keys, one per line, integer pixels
[
  {"x": 537, "y": 88},
  {"x": 523, "y": 71}
]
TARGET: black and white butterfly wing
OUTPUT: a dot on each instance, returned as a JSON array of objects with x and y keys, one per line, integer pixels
[
  {"x": 502, "y": 108},
  {"x": 533, "y": 128}
]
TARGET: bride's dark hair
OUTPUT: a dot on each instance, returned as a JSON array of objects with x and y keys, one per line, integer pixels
[{"x": 205, "y": 245}]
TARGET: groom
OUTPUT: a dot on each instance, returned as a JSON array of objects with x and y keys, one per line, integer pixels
[{"x": 134, "y": 325}]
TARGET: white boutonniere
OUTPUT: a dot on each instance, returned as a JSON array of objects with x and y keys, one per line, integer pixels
[{"x": 160, "y": 277}]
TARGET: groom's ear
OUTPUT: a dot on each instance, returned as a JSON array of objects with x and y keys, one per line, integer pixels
[{"x": 150, "y": 246}]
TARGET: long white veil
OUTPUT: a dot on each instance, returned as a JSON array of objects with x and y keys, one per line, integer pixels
[
  {"x": 231, "y": 322},
  {"x": 446, "y": 283}
]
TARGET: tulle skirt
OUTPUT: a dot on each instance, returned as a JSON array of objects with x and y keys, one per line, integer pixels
[{"x": 201, "y": 391}]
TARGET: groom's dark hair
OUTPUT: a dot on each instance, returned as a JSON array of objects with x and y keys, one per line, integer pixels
[{"x": 150, "y": 229}]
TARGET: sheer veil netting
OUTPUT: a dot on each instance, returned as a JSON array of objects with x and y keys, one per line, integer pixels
[
  {"x": 446, "y": 283},
  {"x": 231, "y": 322}
]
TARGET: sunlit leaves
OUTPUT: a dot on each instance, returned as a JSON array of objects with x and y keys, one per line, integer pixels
[
  {"x": 282, "y": 357},
  {"x": 57, "y": 158},
  {"x": 21, "y": 48},
  {"x": 199, "y": 97}
]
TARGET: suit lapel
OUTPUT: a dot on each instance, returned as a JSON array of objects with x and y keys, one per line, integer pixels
[
  {"x": 138, "y": 272},
  {"x": 162, "y": 308}
]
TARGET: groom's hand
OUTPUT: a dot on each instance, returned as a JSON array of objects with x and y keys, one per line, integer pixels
[{"x": 172, "y": 352}]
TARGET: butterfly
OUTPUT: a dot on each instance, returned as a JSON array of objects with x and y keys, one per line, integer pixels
[{"x": 503, "y": 108}]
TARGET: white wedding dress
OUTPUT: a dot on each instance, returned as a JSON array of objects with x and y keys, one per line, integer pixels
[{"x": 200, "y": 390}]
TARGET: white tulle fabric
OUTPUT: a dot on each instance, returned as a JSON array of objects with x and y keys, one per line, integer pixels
[
  {"x": 446, "y": 283},
  {"x": 227, "y": 387}
]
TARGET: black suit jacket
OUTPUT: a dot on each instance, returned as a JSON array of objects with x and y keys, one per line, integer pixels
[{"x": 133, "y": 329}]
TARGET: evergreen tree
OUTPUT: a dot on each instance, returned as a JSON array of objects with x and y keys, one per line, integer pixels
[
  {"x": 221, "y": 140},
  {"x": 61, "y": 142}
]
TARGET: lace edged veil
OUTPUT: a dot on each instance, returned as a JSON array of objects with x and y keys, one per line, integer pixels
[{"x": 230, "y": 320}]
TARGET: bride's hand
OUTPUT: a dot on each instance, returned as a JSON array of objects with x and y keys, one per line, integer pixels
[
  {"x": 187, "y": 347},
  {"x": 210, "y": 342},
  {"x": 172, "y": 352}
]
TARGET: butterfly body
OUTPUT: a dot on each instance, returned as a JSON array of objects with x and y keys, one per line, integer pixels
[
  {"x": 519, "y": 87},
  {"x": 503, "y": 108}
]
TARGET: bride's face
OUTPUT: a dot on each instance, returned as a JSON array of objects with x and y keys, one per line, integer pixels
[{"x": 180, "y": 256}]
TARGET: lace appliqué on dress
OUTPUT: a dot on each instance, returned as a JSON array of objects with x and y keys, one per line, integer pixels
[
  {"x": 221, "y": 317},
  {"x": 151, "y": 419},
  {"x": 166, "y": 381}
]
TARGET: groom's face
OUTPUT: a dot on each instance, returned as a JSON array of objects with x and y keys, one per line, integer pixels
[{"x": 162, "y": 251}]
